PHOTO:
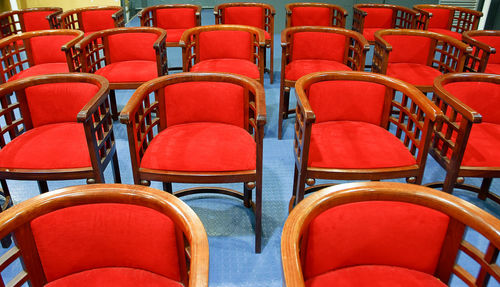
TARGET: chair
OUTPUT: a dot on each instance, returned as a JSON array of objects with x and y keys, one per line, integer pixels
[
  {"x": 56, "y": 127},
  {"x": 447, "y": 20},
  {"x": 234, "y": 49},
  {"x": 92, "y": 19},
  {"x": 307, "y": 50},
  {"x": 257, "y": 15},
  {"x": 388, "y": 234},
  {"x": 416, "y": 56},
  {"x": 101, "y": 235},
  {"x": 127, "y": 57},
  {"x": 466, "y": 142},
  {"x": 483, "y": 58},
  {"x": 26, "y": 20},
  {"x": 349, "y": 122},
  {"x": 315, "y": 14},
  {"x": 369, "y": 18},
  {"x": 199, "y": 128},
  {"x": 38, "y": 53}
]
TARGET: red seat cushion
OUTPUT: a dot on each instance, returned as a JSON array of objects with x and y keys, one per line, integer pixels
[
  {"x": 492, "y": 68},
  {"x": 267, "y": 35},
  {"x": 174, "y": 35},
  {"x": 54, "y": 146},
  {"x": 299, "y": 68},
  {"x": 310, "y": 16},
  {"x": 41, "y": 69},
  {"x": 348, "y": 144},
  {"x": 235, "y": 66},
  {"x": 447, "y": 32},
  {"x": 482, "y": 147},
  {"x": 415, "y": 74},
  {"x": 129, "y": 71},
  {"x": 36, "y": 20},
  {"x": 375, "y": 276},
  {"x": 114, "y": 277},
  {"x": 201, "y": 147}
]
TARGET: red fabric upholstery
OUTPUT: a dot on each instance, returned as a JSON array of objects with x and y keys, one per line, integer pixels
[
  {"x": 492, "y": 68},
  {"x": 267, "y": 35},
  {"x": 205, "y": 102},
  {"x": 446, "y": 32},
  {"x": 142, "y": 49},
  {"x": 34, "y": 21},
  {"x": 408, "y": 49},
  {"x": 374, "y": 233},
  {"x": 174, "y": 35},
  {"x": 347, "y": 101},
  {"x": 129, "y": 71},
  {"x": 42, "y": 69},
  {"x": 55, "y": 146},
  {"x": 235, "y": 66},
  {"x": 203, "y": 146},
  {"x": 318, "y": 46},
  {"x": 346, "y": 144},
  {"x": 416, "y": 74},
  {"x": 375, "y": 276},
  {"x": 378, "y": 18},
  {"x": 311, "y": 16},
  {"x": 251, "y": 16},
  {"x": 369, "y": 33},
  {"x": 493, "y": 41},
  {"x": 93, "y": 236},
  {"x": 175, "y": 18},
  {"x": 440, "y": 18},
  {"x": 225, "y": 44},
  {"x": 482, "y": 147},
  {"x": 97, "y": 20},
  {"x": 114, "y": 277},
  {"x": 299, "y": 68},
  {"x": 47, "y": 49}
]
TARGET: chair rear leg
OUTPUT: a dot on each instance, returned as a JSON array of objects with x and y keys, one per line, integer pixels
[
  {"x": 7, "y": 240},
  {"x": 283, "y": 108},
  {"x": 485, "y": 188},
  {"x": 271, "y": 64},
  {"x": 247, "y": 194},
  {"x": 116, "y": 169},
  {"x": 114, "y": 108},
  {"x": 42, "y": 186},
  {"x": 258, "y": 215},
  {"x": 167, "y": 186}
]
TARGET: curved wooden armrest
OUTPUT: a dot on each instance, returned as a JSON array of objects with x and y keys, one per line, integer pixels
[
  {"x": 468, "y": 37},
  {"x": 74, "y": 41},
  {"x": 387, "y": 47},
  {"x": 359, "y": 12},
  {"x": 94, "y": 103}
]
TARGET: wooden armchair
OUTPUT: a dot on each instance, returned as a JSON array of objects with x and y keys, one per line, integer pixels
[
  {"x": 26, "y": 20},
  {"x": 315, "y": 14},
  {"x": 236, "y": 49},
  {"x": 127, "y": 57},
  {"x": 199, "y": 128},
  {"x": 92, "y": 19},
  {"x": 466, "y": 141},
  {"x": 353, "y": 126},
  {"x": 56, "y": 127},
  {"x": 483, "y": 58},
  {"x": 417, "y": 57},
  {"x": 257, "y": 15},
  {"x": 447, "y": 20},
  {"x": 308, "y": 49},
  {"x": 389, "y": 234},
  {"x": 106, "y": 235}
]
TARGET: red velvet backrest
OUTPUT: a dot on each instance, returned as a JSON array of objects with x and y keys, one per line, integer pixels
[
  {"x": 440, "y": 18},
  {"x": 318, "y": 46},
  {"x": 175, "y": 18},
  {"x": 47, "y": 49},
  {"x": 250, "y": 16},
  {"x": 226, "y": 44},
  {"x": 493, "y": 41},
  {"x": 408, "y": 49},
  {"x": 347, "y": 101},
  {"x": 97, "y": 20},
  {"x": 310, "y": 16},
  {"x": 87, "y": 237},
  {"x": 483, "y": 97},
  {"x": 374, "y": 233},
  {"x": 36, "y": 20},
  {"x": 378, "y": 17},
  {"x": 59, "y": 102},
  {"x": 205, "y": 102},
  {"x": 132, "y": 46}
]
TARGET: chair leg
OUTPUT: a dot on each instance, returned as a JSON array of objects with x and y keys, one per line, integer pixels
[
  {"x": 485, "y": 188},
  {"x": 291, "y": 203},
  {"x": 258, "y": 215},
  {"x": 42, "y": 186},
  {"x": 7, "y": 240},
  {"x": 247, "y": 195},
  {"x": 283, "y": 108},
  {"x": 116, "y": 169},
  {"x": 114, "y": 108},
  {"x": 271, "y": 64},
  {"x": 300, "y": 191},
  {"x": 167, "y": 186}
]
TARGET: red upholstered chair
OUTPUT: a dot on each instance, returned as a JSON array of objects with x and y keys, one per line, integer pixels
[
  {"x": 353, "y": 126},
  {"x": 416, "y": 56},
  {"x": 92, "y": 19},
  {"x": 315, "y": 14},
  {"x": 369, "y": 18},
  {"x": 38, "y": 53},
  {"x": 199, "y": 128},
  {"x": 106, "y": 235},
  {"x": 466, "y": 141},
  {"x": 56, "y": 127},
  {"x": 388, "y": 234},
  {"x": 233, "y": 49},
  {"x": 484, "y": 57},
  {"x": 26, "y": 20},
  {"x": 308, "y": 49},
  {"x": 257, "y": 15},
  {"x": 127, "y": 57},
  {"x": 448, "y": 20}
]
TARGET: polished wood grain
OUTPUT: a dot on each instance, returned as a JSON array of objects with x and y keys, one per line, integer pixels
[
  {"x": 338, "y": 14},
  {"x": 12, "y": 22},
  {"x": 477, "y": 60},
  {"x": 72, "y": 19},
  {"x": 461, "y": 19}
]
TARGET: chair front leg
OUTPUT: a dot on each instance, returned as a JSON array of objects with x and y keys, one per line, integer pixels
[
  {"x": 42, "y": 186},
  {"x": 116, "y": 169}
]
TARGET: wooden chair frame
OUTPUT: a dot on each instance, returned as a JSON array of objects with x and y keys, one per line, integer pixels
[
  {"x": 191, "y": 235},
  {"x": 354, "y": 57},
  {"x": 477, "y": 60},
  {"x": 412, "y": 117},
  {"x": 72, "y": 19},
  {"x": 145, "y": 118},
  {"x": 446, "y": 53},
  {"x": 338, "y": 13},
  {"x": 94, "y": 116},
  {"x": 268, "y": 24},
  {"x": 463, "y": 215},
  {"x": 12, "y": 22},
  {"x": 452, "y": 134},
  {"x": 461, "y": 20}
]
